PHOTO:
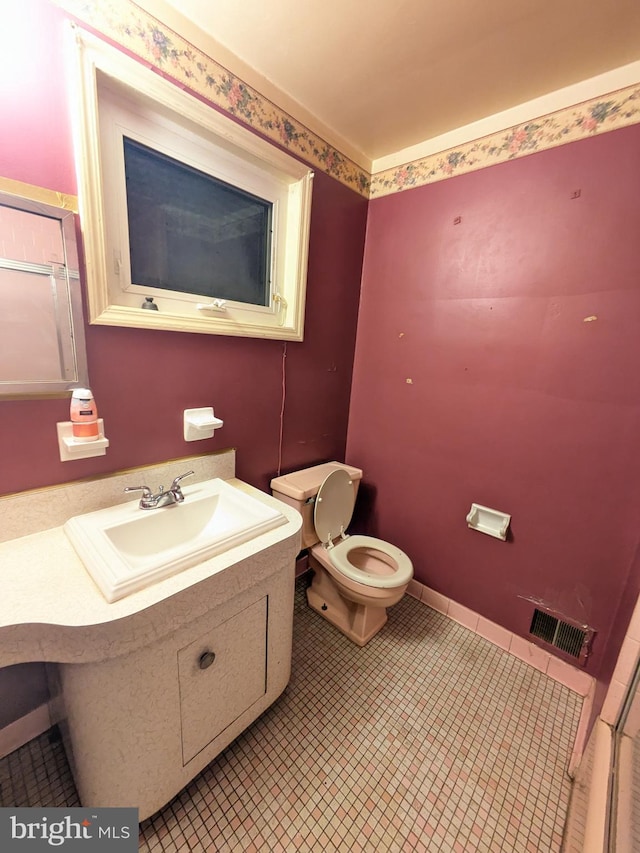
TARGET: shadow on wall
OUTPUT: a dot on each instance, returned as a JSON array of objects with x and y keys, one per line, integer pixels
[{"x": 364, "y": 519}]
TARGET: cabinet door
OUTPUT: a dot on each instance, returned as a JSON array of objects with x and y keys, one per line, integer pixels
[{"x": 221, "y": 674}]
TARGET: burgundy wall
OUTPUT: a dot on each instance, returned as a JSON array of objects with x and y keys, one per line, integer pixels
[
  {"x": 515, "y": 401},
  {"x": 143, "y": 380}
]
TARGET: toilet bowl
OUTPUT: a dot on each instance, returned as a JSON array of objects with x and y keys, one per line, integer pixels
[{"x": 355, "y": 577}]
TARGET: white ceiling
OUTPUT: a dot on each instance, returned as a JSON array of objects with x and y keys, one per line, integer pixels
[{"x": 383, "y": 75}]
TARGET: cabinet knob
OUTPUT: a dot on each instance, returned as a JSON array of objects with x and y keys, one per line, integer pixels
[{"x": 206, "y": 659}]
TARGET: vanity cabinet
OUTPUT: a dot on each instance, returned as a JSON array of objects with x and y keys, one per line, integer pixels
[
  {"x": 139, "y": 727},
  {"x": 149, "y": 689}
]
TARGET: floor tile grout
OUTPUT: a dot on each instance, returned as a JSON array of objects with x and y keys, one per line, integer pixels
[{"x": 428, "y": 739}]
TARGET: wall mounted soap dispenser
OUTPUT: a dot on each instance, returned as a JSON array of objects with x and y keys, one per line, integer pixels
[
  {"x": 83, "y": 414},
  {"x": 82, "y": 435}
]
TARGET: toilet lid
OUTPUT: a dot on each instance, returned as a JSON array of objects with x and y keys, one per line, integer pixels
[{"x": 334, "y": 505}]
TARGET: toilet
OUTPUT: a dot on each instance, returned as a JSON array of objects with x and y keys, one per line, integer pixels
[{"x": 355, "y": 577}]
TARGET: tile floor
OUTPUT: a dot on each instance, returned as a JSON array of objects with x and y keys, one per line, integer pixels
[{"x": 429, "y": 739}]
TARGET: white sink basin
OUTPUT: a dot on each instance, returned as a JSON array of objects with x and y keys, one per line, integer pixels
[{"x": 125, "y": 548}]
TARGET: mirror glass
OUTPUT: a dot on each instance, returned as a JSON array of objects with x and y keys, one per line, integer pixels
[{"x": 43, "y": 350}]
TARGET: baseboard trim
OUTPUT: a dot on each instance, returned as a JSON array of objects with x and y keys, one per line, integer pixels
[{"x": 574, "y": 679}]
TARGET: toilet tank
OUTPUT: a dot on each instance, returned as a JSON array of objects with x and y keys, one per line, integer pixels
[{"x": 299, "y": 489}]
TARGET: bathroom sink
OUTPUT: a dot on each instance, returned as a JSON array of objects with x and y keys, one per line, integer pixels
[{"x": 126, "y": 549}]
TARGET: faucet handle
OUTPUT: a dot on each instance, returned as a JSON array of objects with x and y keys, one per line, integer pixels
[
  {"x": 146, "y": 491},
  {"x": 176, "y": 483},
  {"x": 148, "y": 499}
]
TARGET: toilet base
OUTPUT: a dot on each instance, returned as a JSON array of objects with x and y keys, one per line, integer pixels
[{"x": 359, "y": 622}]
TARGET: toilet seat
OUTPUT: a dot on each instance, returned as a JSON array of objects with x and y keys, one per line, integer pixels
[
  {"x": 342, "y": 554},
  {"x": 332, "y": 513}
]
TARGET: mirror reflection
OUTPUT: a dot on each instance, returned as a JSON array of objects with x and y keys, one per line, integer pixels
[{"x": 40, "y": 304}]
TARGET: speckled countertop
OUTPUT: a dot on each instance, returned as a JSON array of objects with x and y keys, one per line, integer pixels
[{"x": 51, "y": 610}]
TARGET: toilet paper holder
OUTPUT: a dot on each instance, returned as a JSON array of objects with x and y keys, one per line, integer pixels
[{"x": 490, "y": 521}]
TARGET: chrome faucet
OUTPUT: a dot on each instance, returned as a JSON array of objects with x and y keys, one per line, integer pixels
[{"x": 173, "y": 495}]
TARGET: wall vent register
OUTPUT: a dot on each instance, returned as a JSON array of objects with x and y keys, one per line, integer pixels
[{"x": 571, "y": 638}]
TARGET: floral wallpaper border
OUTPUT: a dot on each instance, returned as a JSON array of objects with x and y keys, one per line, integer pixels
[
  {"x": 598, "y": 115},
  {"x": 137, "y": 31}
]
